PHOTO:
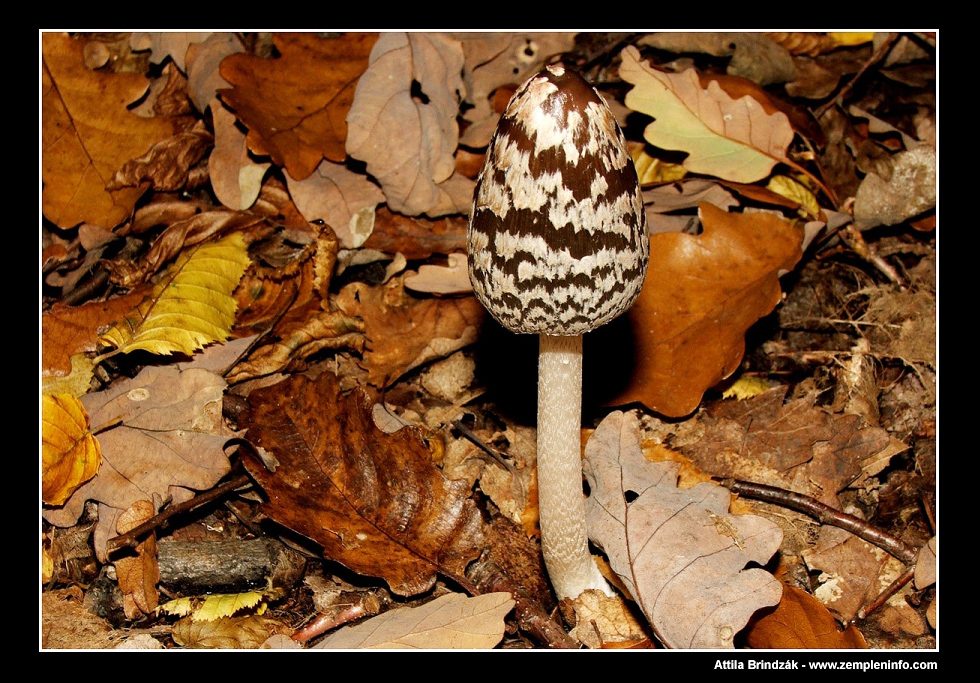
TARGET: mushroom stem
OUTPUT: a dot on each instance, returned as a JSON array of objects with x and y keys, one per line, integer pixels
[{"x": 561, "y": 504}]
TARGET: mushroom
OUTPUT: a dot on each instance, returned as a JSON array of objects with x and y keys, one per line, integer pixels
[{"x": 557, "y": 247}]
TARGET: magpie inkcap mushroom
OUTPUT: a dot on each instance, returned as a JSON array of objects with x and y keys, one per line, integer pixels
[{"x": 557, "y": 247}]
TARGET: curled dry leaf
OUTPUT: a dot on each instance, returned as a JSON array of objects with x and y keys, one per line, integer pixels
[
  {"x": 679, "y": 552},
  {"x": 167, "y": 164},
  {"x": 308, "y": 331},
  {"x": 453, "y": 621},
  {"x": 405, "y": 331},
  {"x": 178, "y": 236},
  {"x": 139, "y": 572},
  {"x": 375, "y": 502}
]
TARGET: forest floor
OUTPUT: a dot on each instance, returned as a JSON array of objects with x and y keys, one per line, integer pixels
[{"x": 274, "y": 412}]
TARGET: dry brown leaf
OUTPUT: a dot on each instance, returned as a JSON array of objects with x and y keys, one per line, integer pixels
[
  {"x": 404, "y": 331},
  {"x": 167, "y": 164},
  {"x": 403, "y": 123},
  {"x": 303, "y": 333},
  {"x": 800, "y": 621},
  {"x": 683, "y": 557},
  {"x": 375, "y": 502},
  {"x": 499, "y": 61},
  {"x": 202, "y": 64},
  {"x": 288, "y": 305},
  {"x": 452, "y": 621},
  {"x": 169, "y": 441},
  {"x": 700, "y": 296},
  {"x": 344, "y": 200},
  {"x": 235, "y": 177},
  {"x": 231, "y": 633},
  {"x": 163, "y": 44},
  {"x": 749, "y": 55},
  {"x": 138, "y": 573},
  {"x": 850, "y": 570},
  {"x": 766, "y": 433},
  {"x": 127, "y": 272},
  {"x": 452, "y": 278},
  {"x": 417, "y": 237},
  {"x": 68, "y": 330},
  {"x": 295, "y": 105},
  {"x": 87, "y": 134}
]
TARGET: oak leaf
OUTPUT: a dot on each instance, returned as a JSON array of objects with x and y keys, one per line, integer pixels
[
  {"x": 374, "y": 502},
  {"x": 87, "y": 134},
  {"x": 344, "y": 200},
  {"x": 732, "y": 139},
  {"x": 169, "y": 441},
  {"x": 452, "y": 621},
  {"x": 679, "y": 552},
  {"x": 295, "y": 105},
  {"x": 402, "y": 123},
  {"x": 800, "y": 621},
  {"x": 236, "y": 178},
  {"x": 702, "y": 293}
]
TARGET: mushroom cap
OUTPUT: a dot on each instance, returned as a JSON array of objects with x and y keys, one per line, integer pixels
[{"x": 557, "y": 235}]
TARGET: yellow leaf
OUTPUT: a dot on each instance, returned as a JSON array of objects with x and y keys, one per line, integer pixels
[
  {"x": 747, "y": 387},
  {"x": 70, "y": 454},
  {"x": 852, "y": 38},
  {"x": 218, "y": 606},
  {"x": 215, "y": 607},
  {"x": 180, "y": 606},
  {"x": 652, "y": 170},
  {"x": 191, "y": 306},
  {"x": 731, "y": 139},
  {"x": 789, "y": 188}
]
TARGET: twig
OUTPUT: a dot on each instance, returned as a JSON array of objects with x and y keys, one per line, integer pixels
[
  {"x": 131, "y": 538},
  {"x": 825, "y": 515},
  {"x": 895, "y": 586},
  {"x": 879, "y": 54},
  {"x": 479, "y": 443}
]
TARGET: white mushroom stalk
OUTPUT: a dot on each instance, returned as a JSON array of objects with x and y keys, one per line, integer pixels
[{"x": 558, "y": 246}]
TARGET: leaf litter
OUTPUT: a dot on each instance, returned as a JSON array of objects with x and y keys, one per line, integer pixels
[{"x": 803, "y": 256}]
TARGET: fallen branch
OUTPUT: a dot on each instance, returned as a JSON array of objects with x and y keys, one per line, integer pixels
[
  {"x": 825, "y": 515},
  {"x": 132, "y": 537}
]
